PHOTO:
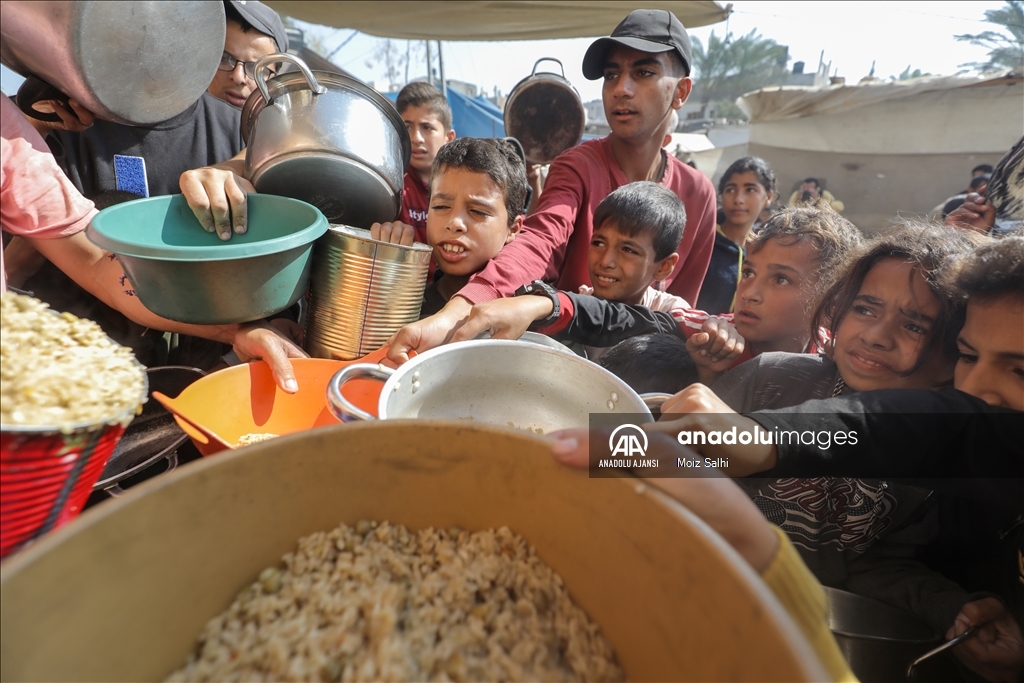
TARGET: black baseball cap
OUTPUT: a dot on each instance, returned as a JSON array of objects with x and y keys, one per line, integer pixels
[
  {"x": 647, "y": 30},
  {"x": 263, "y": 19}
]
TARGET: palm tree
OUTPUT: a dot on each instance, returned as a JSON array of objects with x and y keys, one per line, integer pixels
[
  {"x": 728, "y": 67},
  {"x": 1004, "y": 51}
]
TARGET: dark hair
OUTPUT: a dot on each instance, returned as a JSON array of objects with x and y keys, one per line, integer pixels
[
  {"x": 652, "y": 363},
  {"x": 812, "y": 180},
  {"x": 984, "y": 168},
  {"x": 991, "y": 271},
  {"x": 420, "y": 94},
  {"x": 756, "y": 165},
  {"x": 645, "y": 207},
  {"x": 499, "y": 159},
  {"x": 978, "y": 180},
  {"x": 831, "y": 235},
  {"x": 929, "y": 247}
]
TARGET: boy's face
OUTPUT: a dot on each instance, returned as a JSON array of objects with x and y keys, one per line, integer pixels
[
  {"x": 991, "y": 344},
  {"x": 623, "y": 267},
  {"x": 639, "y": 93},
  {"x": 772, "y": 297},
  {"x": 467, "y": 222},
  {"x": 427, "y": 134},
  {"x": 886, "y": 329},
  {"x": 234, "y": 87}
]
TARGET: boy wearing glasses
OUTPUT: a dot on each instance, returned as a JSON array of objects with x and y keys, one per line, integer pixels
[{"x": 253, "y": 31}]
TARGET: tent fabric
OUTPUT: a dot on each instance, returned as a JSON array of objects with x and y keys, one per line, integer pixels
[
  {"x": 790, "y": 101},
  {"x": 488, "y": 19}
]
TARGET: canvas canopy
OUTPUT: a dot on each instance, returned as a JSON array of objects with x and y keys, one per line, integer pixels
[{"x": 488, "y": 19}]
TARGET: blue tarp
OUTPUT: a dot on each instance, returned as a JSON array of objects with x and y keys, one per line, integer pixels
[{"x": 472, "y": 117}]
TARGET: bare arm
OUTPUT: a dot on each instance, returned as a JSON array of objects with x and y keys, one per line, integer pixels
[{"x": 100, "y": 274}]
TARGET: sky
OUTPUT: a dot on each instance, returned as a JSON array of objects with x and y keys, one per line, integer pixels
[{"x": 852, "y": 34}]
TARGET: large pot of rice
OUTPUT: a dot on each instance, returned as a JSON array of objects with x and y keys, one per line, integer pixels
[{"x": 123, "y": 592}]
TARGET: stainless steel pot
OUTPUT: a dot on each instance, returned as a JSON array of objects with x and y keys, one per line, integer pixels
[
  {"x": 128, "y": 62},
  {"x": 545, "y": 113},
  {"x": 326, "y": 139},
  {"x": 361, "y": 291},
  {"x": 878, "y": 640},
  {"x": 496, "y": 381}
]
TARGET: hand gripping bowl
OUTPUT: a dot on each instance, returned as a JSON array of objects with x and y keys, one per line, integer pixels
[
  {"x": 184, "y": 273},
  {"x": 122, "y": 593}
]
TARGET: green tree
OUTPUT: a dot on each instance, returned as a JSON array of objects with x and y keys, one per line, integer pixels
[
  {"x": 1004, "y": 51},
  {"x": 908, "y": 74},
  {"x": 727, "y": 68}
]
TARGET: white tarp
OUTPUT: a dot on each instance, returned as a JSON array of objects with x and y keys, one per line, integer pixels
[
  {"x": 942, "y": 115},
  {"x": 487, "y": 19}
]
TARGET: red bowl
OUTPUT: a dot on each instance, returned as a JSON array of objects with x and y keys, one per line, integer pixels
[{"x": 46, "y": 475}]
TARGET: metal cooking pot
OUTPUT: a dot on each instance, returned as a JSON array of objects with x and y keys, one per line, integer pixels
[
  {"x": 545, "y": 113},
  {"x": 881, "y": 641},
  {"x": 129, "y": 62},
  {"x": 496, "y": 381},
  {"x": 328, "y": 140}
]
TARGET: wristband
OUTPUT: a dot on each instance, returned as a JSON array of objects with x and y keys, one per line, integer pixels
[{"x": 541, "y": 288}]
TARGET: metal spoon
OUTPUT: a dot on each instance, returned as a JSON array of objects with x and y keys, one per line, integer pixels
[{"x": 911, "y": 674}]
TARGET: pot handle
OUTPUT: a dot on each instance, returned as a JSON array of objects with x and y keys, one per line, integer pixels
[
  {"x": 341, "y": 407},
  {"x": 654, "y": 400},
  {"x": 547, "y": 59},
  {"x": 262, "y": 63},
  {"x": 35, "y": 90}
]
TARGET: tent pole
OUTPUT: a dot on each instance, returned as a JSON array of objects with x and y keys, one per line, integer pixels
[
  {"x": 440, "y": 64},
  {"x": 430, "y": 75}
]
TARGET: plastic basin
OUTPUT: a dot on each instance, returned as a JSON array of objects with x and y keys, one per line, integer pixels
[{"x": 184, "y": 273}]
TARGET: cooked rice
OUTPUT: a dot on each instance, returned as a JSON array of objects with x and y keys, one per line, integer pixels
[
  {"x": 380, "y": 602},
  {"x": 61, "y": 370},
  {"x": 249, "y": 439}
]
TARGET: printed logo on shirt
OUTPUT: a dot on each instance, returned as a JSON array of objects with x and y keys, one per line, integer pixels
[
  {"x": 418, "y": 215},
  {"x": 130, "y": 175}
]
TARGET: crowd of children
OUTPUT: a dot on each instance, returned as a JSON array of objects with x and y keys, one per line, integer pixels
[{"x": 794, "y": 309}]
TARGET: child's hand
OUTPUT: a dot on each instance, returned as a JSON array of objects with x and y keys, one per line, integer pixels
[
  {"x": 705, "y": 412},
  {"x": 504, "y": 318},
  {"x": 715, "y": 348},
  {"x": 395, "y": 232},
  {"x": 976, "y": 213},
  {"x": 996, "y": 651}
]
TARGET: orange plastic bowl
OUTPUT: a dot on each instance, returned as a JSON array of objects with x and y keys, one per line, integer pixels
[{"x": 245, "y": 400}]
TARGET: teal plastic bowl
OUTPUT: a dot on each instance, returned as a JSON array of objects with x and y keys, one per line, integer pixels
[{"x": 184, "y": 273}]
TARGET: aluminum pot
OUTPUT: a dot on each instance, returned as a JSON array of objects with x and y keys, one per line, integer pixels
[
  {"x": 545, "y": 113},
  {"x": 129, "y": 62},
  {"x": 328, "y": 140},
  {"x": 497, "y": 381}
]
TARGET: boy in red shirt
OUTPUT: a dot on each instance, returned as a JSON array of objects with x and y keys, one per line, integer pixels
[{"x": 645, "y": 65}]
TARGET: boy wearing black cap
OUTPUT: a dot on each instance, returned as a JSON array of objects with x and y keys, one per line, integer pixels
[
  {"x": 253, "y": 31},
  {"x": 645, "y": 64}
]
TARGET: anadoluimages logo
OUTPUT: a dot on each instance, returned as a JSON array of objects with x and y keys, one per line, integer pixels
[{"x": 628, "y": 448}]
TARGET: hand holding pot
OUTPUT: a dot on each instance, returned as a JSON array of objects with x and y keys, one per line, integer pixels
[
  {"x": 432, "y": 331},
  {"x": 216, "y": 194},
  {"x": 996, "y": 651},
  {"x": 394, "y": 232},
  {"x": 504, "y": 318}
]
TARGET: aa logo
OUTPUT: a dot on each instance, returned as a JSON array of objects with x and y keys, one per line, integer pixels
[{"x": 628, "y": 441}]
